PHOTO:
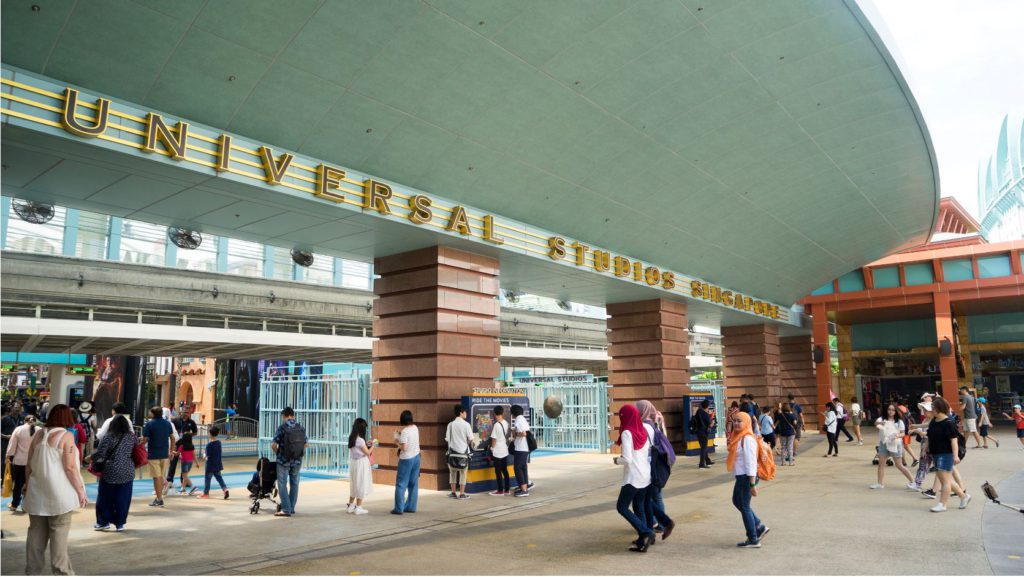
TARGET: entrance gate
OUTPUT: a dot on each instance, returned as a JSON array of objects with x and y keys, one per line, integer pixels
[
  {"x": 326, "y": 405},
  {"x": 583, "y": 424}
]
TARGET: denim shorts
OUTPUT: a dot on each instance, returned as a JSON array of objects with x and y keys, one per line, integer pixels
[
  {"x": 883, "y": 452},
  {"x": 943, "y": 462},
  {"x": 186, "y": 466}
]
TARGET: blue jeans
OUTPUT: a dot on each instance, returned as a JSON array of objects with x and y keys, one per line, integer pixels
[
  {"x": 208, "y": 476},
  {"x": 113, "y": 502},
  {"x": 741, "y": 499},
  {"x": 630, "y": 495},
  {"x": 655, "y": 507},
  {"x": 289, "y": 496},
  {"x": 408, "y": 479}
]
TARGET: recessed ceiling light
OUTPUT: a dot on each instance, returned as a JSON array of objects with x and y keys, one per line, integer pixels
[{"x": 36, "y": 8}]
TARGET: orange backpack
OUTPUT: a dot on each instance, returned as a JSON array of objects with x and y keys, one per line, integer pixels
[{"x": 765, "y": 461}]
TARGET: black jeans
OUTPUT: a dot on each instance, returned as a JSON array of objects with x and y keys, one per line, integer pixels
[
  {"x": 703, "y": 442},
  {"x": 637, "y": 498},
  {"x": 842, "y": 428},
  {"x": 832, "y": 444},
  {"x": 501, "y": 473},
  {"x": 172, "y": 468},
  {"x": 770, "y": 439},
  {"x": 519, "y": 460},
  {"x": 18, "y": 475}
]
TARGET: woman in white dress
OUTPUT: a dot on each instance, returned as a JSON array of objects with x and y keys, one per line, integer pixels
[{"x": 360, "y": 477}]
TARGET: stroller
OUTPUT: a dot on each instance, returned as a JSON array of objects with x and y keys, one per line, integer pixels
[{"x": 263, "y": 485}]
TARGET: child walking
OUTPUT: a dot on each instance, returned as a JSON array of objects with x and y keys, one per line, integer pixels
[
  {"x": 187, "y": 455},
  {"x": 214, "y": 464},
  {"x": 360, "y": 477}
]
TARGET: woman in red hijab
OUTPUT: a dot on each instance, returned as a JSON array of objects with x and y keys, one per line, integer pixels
[{"x": 635, "y": 439}]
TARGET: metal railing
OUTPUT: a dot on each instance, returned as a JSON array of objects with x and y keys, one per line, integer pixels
[
  {"x": 583, "y": 423},
  {"x": 325, "y": 405},
  {"x": 238, "y": 437},
  {"x": 532, "y": 344}
]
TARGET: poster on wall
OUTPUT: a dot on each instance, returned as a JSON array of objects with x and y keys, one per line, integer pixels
[
  {"x": 222, "y": 390},
  {"x": 107, "y": 386},
  {"x": 247, "y": 388},
  {"x": 134, "y": 388},
  {"x": 1003, "y": 384}
]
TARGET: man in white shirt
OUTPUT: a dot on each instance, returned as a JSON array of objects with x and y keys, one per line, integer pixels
[
  {"x": 119, "y": 409},
  {"x": 520, "y": 451},
  {"x": 500, "y": 452},
  {"x": 841, "y": 420},
  {"x": 459, "y": 437}
]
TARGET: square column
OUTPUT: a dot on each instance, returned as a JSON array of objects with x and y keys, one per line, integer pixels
[
  {"x": 822, "y": 370},
  {"x": 751, "y": 362},
  {"x": 648, "y": 346},
  {"x": 796, "y": 375},
  {"x": 437, "y": 327},
  {"x": 947, "y": 363}
]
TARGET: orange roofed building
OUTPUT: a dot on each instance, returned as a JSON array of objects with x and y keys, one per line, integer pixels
[{"x": 946, "y": 314}]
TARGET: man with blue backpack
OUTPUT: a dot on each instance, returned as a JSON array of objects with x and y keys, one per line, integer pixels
[{"x": 662, "y": 459}]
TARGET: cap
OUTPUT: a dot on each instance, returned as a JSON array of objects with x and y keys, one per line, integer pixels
[
  {"x": 982, "y": 400},
  {"x": 1016, "y": 406},
  {"x": 927, "y": 396}
]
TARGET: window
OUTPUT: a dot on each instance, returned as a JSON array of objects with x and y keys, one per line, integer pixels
[
  {"x": 283, "y": 267},
  {"x": 245, "y": 258},
  {"x": 322, "y": 270},
  {"x": 93, "y": 235},
  {"x": 886, "y": 277},
  {"x": 919, "y": 273},
  {"x": 825, "y": 289},
  {"x": 355, "y": 275},
  {"x": 46, "y": 238},
  {"x": 202, "y": 258},
  {"x": 852, "y": 281},
  {"x": 994, "y": 266},
  {"x": 959, "y": 269},
  {"x": 143, "y": 243}
]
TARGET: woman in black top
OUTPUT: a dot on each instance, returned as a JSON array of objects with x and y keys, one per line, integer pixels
[
  {"x": 115, "y": 488},
  {"x": 943, "y": 444}
]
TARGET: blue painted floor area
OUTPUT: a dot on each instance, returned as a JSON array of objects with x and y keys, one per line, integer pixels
[{"x": 234, "y": 481}]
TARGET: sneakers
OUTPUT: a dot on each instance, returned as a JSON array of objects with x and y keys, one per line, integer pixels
[
  {"x": 359, "y": 511},
  {"x": 521, "y": 493},
  {"x": 497, "y": 493},
  {"x": 876, "y": 486},
  {"x": 351, "y": 508},
  {"x": 762, "y": 532},
  {"x": 929, "y": 494},
  {"x": 748, "y": 544},
  {"x": 889, "y": 462},
  {"x": 938, "y": 508},
  {"x": 119, "y": 529},
  {"x": 157, "y": 503},
  {"x": 463, "y": 497},
  {"x": 192, "y": 489},
  {"x": 98, "y": 527},
  {"x": 226, "y": 494},
  {"x": 860, "y": 442},
  {"x": 204, "y": 496},
  {"x": 915, "y": 463},
  {"x": 452, "y": 495},
  {"x": 913, "y": 487},
  {"x": 965, "y": 501}
]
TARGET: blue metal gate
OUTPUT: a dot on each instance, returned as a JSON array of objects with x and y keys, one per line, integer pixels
[
  {"x": 326, "y": 405},
  {"x": 583, "y": 423}
]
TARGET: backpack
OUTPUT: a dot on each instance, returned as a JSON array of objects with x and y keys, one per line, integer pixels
[
  {"x": 765, "y": 461},
  {"x": 693, "y": 424},
  {"x": 662, "y": 459},
  {"x": 961, "y": 448},
  {"x": 294, "y": 446}
]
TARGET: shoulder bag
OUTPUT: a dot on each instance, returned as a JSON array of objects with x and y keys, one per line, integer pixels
[{"x": 99, "y": 462}]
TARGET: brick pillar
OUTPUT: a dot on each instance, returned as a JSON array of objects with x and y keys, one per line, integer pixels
[
  {"x": 947, "y": 363},
  {"x": 436, "y": 323},
  {"x": 822, "y": 370},
  {"x": 648, "y": 348},
  {"x": 847, "y": 378},
  {"x": 751, "y": 362},
  {"x": 796, "y": 375}
]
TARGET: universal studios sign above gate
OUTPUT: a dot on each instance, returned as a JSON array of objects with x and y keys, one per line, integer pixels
[{"x": 33, "y": 101}]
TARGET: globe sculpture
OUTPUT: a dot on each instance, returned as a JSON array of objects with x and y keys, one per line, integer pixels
[{"x": 552, "y": 406}]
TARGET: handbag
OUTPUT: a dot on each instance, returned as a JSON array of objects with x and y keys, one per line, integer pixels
[
  {"x": 99, "y": 462},
  {"x": 139, "y": 455},
  {"x": 8, "y": 482}
]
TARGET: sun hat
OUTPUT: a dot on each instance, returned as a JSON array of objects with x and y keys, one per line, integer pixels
[
  {"x": 927, "y": 395},
  {"x": 85, "y": 406},
  {"x": 925, "y": 406}
]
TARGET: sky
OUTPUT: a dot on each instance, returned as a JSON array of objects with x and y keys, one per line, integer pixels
[{"x": 964, "y": 61}]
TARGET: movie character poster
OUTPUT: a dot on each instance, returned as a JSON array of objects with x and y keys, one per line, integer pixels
[{"x": 107, "y": 385}]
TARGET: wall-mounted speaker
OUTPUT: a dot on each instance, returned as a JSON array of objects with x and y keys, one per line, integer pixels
[
  {"x": 819, "y": 354},
  {"x": 945, "y": 347}
]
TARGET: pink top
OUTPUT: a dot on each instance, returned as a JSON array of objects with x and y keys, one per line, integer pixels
[
  {"x": 17, "y": 449},
  {"x": 359, "y": 451},
  {"x": 188, "y": 456}
]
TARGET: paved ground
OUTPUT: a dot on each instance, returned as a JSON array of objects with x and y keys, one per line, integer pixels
[{"x": 823, "y": 519}]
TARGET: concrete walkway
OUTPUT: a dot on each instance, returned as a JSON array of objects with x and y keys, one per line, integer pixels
[{"x": 823, "y": 517}]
